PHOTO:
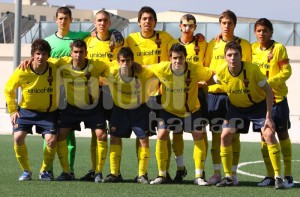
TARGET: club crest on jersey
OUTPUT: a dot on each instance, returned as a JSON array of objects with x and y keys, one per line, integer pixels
[
  {"x": 246, "y": 82},
  {"x": 87, "y": 75}
]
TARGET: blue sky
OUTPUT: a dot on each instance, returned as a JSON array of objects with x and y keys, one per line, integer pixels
[{"x": 286, "y": 10}]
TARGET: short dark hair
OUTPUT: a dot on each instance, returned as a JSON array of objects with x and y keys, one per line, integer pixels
[
  {"x": 233, "y": 45},
  {"x": 264, "y": 22},
  {"x": 188, "y": 17},
  {"x": 125, "y": 52},
  {"x": 147, "y": 9},
  {"x": 78, "y": 44},
  {"x": 177, "y": 47},
  {"x": 64, "y": 10},
  {"x": 228, "y": 14},
  {"x": 40, "y": 45},
  {"x": 103, "y": 12}
]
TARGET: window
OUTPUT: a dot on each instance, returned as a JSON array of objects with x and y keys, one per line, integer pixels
[{"x": 42, "y": 18}]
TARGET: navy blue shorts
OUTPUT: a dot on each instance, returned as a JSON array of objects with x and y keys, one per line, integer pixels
[
  {"x": 127, "y": 120},
  {"x": 281, "y": 116},
  {"x": 239, "y": 117},
  {"x": 106, "y": 101},
  {"x": 92, "y": 118},
  {"x": 203, "y": 102},
  {"x": 177, "y": 124},
  {"x": 217, "y": 108},
  {"x": 45, "y": 122}
]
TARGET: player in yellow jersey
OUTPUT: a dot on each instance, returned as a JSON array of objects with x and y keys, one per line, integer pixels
[
  {"x": 195, "y": 54},
  {"x": 217, "y": 97},
  {"x": 80, "y": 77},
  {"x": 149, "y": 46},
  {"x": 251, "y": 100},
  {"x": 37, "y": 107},
  {"x": 272, "y": 59},
  {"x": 60, "y": 46},
  {"x": 130, "y": 91},
  {"x": 99, "y": 47},
  {"x": 179, "y": 88}
]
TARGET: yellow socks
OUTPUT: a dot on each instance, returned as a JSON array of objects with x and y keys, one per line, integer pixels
[
  {"x": 62, "y": 152},
  {"x": 93, "y": 150},
  {"x": 115, "y": 159},
  {"x": 286, "y": 151},
  {"x": 226, "y": 157},
  {"x": 178, "y": 147},
  {"x": 274, "y": 154},
  {"x": 143, "y": 155},
  {"x": 22, "y": 156},
  {"x": 101, "y": 155},
  {"x": 162, "y": 156},
  {"x": 199, "y": 157},
  {"x": 215, "y": 152},
  {"x": 236, "y": 148},
  {"x": 49, "y": 155},
  {"x": 267, "y": 161}
]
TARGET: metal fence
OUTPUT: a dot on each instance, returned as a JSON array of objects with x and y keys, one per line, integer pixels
[{"x": 286, "y": 33}]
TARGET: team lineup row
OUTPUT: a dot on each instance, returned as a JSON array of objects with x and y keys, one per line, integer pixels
[{"x": 180, "y": 82}]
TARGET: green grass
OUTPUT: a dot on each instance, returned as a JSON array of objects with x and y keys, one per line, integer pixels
[{"x": 10, "y": 171}]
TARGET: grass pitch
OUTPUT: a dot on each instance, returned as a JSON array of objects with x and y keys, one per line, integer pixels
[{"x": 250, "y": 152}]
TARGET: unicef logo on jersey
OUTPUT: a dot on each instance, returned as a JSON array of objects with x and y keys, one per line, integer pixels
[{"x": 40, "y": 90}]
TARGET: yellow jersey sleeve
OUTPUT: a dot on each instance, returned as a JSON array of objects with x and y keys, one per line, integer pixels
[
  {"x": 38, "y": 90},
  {"x": 274, "y": 63}
]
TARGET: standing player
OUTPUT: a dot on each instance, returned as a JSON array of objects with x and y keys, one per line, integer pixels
[
  {"x": 99, "y": 48},
  {"x": 273, "y": 61},
  {"x": 195, "y": 54},
  {"x": 80, "y": 77},
  {"x": 180, "y": 103},
  {"x": 217, "y": 97},
  {"x": 150, "y": 46},
  {"x": 130, "y": 113},
  {"x": 251, "y": 99},
  {"x": 60, "y": 46},
  {"x": 37, "y": 107}
]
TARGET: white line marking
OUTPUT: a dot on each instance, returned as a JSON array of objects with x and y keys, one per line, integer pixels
[{"x": 255, "y": 175}]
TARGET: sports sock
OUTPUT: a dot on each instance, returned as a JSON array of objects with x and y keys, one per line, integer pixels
[
  {"x": 71, "y": 141},
  {"x": 62, "y": 152},
  {"x": 215, "y": 152},
  {"x": 22, "y": 156},
  {"x": 274, "y": 154},
  {"x": 199, "y": 157},
  {"x": 144, "y": 154},
  {"x": 178, "y": 147},
  {"x": 267, "y": 160},
  {"x": 115, "y": 157},
  {"x": 286, "y": 151},
  {"x": 101, "y": 155},
  {"x": 93, "y": 150},
  {"x": 236, "y": 148},
  {"x": 49, "y": 155},
  {"x": 169, "y": 146},
  {"x": 44, "y": 146},
  {"x": 226, "y": 157},
  {"x": 162, "y": 156}
]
